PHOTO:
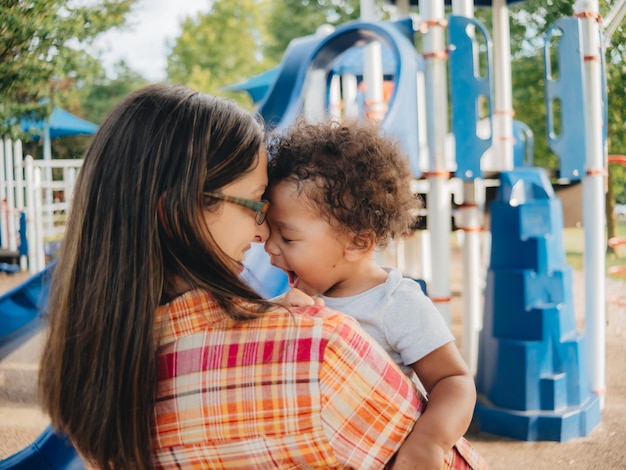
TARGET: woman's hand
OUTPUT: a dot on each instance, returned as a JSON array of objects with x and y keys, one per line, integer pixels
[{"x": 296, "y": 298}]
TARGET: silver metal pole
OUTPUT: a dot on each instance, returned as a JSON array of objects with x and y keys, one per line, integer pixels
[
  {"x": 439, "y": 210},
  {"x": 593, "y": 199}
]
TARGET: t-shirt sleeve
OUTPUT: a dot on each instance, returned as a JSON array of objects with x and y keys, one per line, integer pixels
[
  {"x": 368, "y": 405},
  {"x": 413, "y": 325}
]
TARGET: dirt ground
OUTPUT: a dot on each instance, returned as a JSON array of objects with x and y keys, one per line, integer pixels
[{"x": 21, "y": 421}]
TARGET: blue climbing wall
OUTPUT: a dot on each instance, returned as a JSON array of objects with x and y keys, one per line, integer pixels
[{"x": 531, "y": 377}]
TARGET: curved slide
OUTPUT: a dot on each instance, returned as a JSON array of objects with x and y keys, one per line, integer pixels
[
  {"x": 20, "y": 311},
  {"x": 284, "y": 101},
  {"x": 20, "y": 318}
]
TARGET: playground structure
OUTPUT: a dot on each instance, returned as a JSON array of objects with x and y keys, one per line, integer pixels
[
  {"x": 308, "y": 82},
  {"x": 32, "y": 216}
]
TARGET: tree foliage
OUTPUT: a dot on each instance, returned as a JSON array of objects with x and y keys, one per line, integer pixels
[
  {"x": 529, "y": 22},
  {"x": 40, "y": 52},
  {"x": 92, "y": 101},
  {"x": 100, "y": 95},
  {"x": 290, "y": 19},
  {"x": 220, "y": 47},
  {"x": 237, "y": 39}
]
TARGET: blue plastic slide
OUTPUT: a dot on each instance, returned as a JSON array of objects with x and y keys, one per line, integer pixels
[
  {"x": 20, "y": 311},
  {"x": 284, "y": 101},
  {"x": 49, "y": 451}
]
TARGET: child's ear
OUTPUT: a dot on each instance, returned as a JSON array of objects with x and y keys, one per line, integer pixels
[{"x": 361, "y": 244}]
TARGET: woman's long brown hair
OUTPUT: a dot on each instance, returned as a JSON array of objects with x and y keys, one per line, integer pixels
[{"x": 121, "y": 252}]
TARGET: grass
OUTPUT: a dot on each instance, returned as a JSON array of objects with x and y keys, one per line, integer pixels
[{"x": 574, "y": 241}]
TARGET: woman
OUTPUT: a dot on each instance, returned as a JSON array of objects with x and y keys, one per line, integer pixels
[{"x": 158, "y": 354}]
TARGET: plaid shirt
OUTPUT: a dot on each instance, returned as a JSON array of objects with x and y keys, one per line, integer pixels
[{"x": 306, "y": 390}]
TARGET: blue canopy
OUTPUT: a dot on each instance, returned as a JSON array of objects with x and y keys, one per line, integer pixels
[
  {"x": 256, "y": 86},
  {"x": 61, "y": 123}
]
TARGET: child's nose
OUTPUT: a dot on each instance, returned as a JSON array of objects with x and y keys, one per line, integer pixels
[{"x": 270, "y": 246}]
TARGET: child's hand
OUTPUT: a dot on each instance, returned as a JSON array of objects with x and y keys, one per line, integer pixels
[
  {"x": 422, "y": 454},
  {"x": 296, "y": 298}
]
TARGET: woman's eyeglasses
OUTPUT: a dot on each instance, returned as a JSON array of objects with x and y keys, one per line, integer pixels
[{"x": 259, "y": 207}]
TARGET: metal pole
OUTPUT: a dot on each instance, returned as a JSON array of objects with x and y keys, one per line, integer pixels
[
  {"x": 470, "y": 224},
  {"x": 372, "y": 69},
  {"x": 5, "y": 149},
  {"x": 438, "y": 205},
  {"x": 593, "y": 199},
  {"x": 503, "y": 94}
]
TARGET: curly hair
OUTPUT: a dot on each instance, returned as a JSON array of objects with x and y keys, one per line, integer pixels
[{"x": 353, "y": 174}]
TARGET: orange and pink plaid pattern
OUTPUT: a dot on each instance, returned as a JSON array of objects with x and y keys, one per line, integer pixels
[
  {"x": 282, "y": 391},
  {"x": 464, "y": 456}
]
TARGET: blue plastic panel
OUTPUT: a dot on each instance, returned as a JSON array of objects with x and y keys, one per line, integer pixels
[
  {"x": 466, "y": 87},
  {"x": 284, "y": 102},
  {"x": 570, "y": 145},
  {"x": 531, "y": 376}
]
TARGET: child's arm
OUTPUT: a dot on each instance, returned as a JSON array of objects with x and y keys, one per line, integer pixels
[{"x": 451, "y": 400}]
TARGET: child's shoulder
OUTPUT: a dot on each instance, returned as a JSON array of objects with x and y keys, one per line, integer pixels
[{"x": 398, "y": 282}]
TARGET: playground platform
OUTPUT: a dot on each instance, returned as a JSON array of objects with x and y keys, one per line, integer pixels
[{"x": 21, "y": 421}]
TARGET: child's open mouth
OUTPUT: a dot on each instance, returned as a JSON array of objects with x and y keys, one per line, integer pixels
[{"x": 293, "y": 279}]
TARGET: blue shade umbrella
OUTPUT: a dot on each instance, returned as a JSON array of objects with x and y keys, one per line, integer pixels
[{"x": 60, "y": 123}]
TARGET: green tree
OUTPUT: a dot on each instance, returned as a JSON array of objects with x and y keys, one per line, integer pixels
[
  {"x": 222, "y": 46},
  {"x": 40, "y": 52},
  {"x": 100, "y": 95},
  {"x": 92, "y": 100},
  {"x": 529, "y": 22},
  {"x": 237, "y": 39},
  {"x": 290, "y": 19}
]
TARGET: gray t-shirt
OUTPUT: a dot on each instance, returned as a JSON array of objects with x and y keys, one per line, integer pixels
[{"x": 399, "y": 316}]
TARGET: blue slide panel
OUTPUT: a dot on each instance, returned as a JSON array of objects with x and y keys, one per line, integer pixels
[
  {"x": 466, "y": 87},
  {"x": 285, "y": 95},
  {"x": 284, "y": 102},
  {"x": 48, "y": 451},
  {"x": 20, "y": 310},
  {"x": 570, "y": 143},
  {"x": 401, "y": 118}
]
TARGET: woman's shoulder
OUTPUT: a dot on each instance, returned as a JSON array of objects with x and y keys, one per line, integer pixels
[
  {"x": 324, "y": 314},
  {"x": 335, "y": 326},
  {"x": 316, "y": 320},
  {"x": 197, "y": 312}
]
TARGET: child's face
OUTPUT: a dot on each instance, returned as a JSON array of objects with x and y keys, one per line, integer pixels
[{"x": 303, "y": 244}]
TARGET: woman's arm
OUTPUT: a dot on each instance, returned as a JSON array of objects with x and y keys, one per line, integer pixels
[
  {"x": 368, "y": 405},
  {"x": 451, "y": 400}
]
